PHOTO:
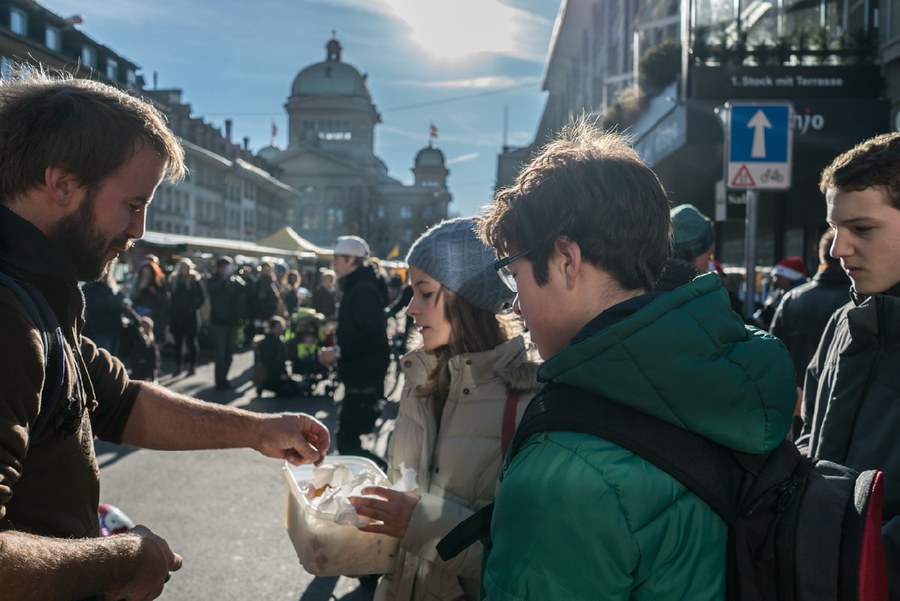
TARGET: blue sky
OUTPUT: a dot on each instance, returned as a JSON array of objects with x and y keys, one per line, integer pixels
[{"x": 458, "y": 64}]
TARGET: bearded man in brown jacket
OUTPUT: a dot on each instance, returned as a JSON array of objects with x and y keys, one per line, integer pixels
[{"x": 79, "y": 164}]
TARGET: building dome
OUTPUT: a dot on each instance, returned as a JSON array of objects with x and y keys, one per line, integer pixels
[
  {"x": 330, "y": 77},
  {"x": 429, "y": 157},
  {"x": 269, "y": 152}
]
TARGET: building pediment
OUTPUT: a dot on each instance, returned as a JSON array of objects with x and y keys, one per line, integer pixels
[{"x": 315, "y": 162}]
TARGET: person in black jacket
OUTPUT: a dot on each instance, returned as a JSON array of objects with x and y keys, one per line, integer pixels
[
  {"x": 226, "y": 296},
  {"x": 362, "y": 351},
  {"x": 103, "y": 313},
  {"x": 804, "y": 311},
  {"x": 187, "y": 298}
]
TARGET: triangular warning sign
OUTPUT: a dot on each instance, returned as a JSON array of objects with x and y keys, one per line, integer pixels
[{"x": 742, "y": 178}]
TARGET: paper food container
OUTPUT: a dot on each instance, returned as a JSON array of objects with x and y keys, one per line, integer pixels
[{"x": 326, "y": 548}]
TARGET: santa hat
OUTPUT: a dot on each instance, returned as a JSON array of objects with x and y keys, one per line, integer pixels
[{"x": 791, "y": 268}]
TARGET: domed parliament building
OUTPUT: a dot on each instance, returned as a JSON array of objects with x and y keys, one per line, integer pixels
[{"x": 344, "y": 187}]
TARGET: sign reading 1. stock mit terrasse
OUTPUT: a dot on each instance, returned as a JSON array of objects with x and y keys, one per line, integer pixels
[
  {"x": 813, "y": 82},
  {"x": 758, "y": 145}
]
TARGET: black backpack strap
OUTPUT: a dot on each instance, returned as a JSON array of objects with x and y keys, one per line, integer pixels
[
  {"x": 474, "y": 528},
  {"x": 709, "y": 470},
  {"x": 52, "y": 338},
  {"x": 712, "y": 472}
]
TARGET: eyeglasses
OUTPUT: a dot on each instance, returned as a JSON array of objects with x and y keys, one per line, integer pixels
[{"x": 501, "y": 267}]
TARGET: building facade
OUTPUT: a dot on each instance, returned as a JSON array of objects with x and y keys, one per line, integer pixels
[
  {"x": 32, "y": 34},
  {"x": 665, "y": 73},
  {"x": 344, "y": 187}
]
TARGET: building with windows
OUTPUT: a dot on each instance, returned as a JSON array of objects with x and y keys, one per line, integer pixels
[
  {"x": 229, "y": 192},
  {"x": 32, "y": 34},
  {"x": 344, "y": 187},
  {"x": 664, "y": 72}
]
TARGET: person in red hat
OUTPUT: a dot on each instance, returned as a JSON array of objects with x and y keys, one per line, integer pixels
[{"x": 787, "y": 274}]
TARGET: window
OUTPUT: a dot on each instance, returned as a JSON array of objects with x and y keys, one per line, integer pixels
[
  {"x": 406, "y": 212},
  {"x": 88, "y": 56},
  {"x": 112, "y": 69},
  {"x": 18, "y": 21},
  {"x": 130, "y": 79},
  {"x": 334, "y": 130},
  {"x": 53, "y": 38}
]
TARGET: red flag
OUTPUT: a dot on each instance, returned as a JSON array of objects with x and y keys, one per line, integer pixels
[
  {"x": 433, "y": 133},
  {"x": 274, "y": 130}
]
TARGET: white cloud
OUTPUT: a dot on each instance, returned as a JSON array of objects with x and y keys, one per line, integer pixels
[
  {"x": 459, "y": 30},
  {"x": 471, "y": 156}
]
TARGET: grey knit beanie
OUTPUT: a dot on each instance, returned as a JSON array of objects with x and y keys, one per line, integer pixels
[
  {"x": 452, "y": 253},
  {"x": 692, "y": 232}
]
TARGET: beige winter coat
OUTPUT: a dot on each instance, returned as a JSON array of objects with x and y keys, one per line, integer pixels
[{"x": 457, "y": 460}]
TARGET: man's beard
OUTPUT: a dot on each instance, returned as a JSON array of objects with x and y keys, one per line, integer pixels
[{"x": 85, "y": 247}]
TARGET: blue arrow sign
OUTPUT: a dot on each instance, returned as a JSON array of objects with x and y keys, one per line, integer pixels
[
  {"x": 760, "y": 133},
  {"x": 758, "y": 145}
]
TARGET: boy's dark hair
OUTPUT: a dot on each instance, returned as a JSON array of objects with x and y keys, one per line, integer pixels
[
  {"x": 592, "y": 188},
  {"x": 874, "y": 163},
  {"x": 85, "y": 127}
]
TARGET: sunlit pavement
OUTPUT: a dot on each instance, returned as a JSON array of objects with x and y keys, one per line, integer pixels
[{"x": 223, "y": 510}]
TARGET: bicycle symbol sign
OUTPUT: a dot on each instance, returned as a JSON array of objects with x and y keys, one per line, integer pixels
[{"x": 758, "y": 145}]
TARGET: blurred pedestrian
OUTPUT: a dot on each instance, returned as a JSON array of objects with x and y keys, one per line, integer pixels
[
  {"x": 145, "y": 358},
  {"x": 290, "y": 292},
  {"x": 323, "y": 300},
  {"x": 103, "y": 313},
  {"x": 265, "y": 300},
  {"x": 150, "y": 294},
  {"x": 187, "y": 298},
  {"x": 787, "y": 274},
  {"x": 805, "y": 310},
  {"x": 227, "y": 295}
]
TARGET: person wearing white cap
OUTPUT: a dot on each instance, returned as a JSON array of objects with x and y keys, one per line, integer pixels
[
  {"x": 466, "y": 385},
  {"x": 362, "y": 353}
]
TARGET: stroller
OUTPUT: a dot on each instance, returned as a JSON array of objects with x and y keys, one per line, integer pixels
[{"x": 307, "y": 334}]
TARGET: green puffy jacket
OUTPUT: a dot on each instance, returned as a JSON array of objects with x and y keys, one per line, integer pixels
[{"x": 578, "y": 517}]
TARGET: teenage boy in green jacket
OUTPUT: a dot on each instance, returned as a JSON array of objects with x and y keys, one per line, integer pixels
[{"x": 583, "y": 234}]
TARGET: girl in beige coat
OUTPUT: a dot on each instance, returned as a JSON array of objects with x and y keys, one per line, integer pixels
[{"x": 466, "y": 387}]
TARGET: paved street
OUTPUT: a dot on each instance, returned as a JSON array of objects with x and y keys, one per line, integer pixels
[{"x": 223, "y": 511}]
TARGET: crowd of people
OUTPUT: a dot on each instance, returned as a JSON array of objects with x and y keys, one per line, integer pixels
[
  {"x": 578, "y": 276},
  {"x": 230, "y": 307}
]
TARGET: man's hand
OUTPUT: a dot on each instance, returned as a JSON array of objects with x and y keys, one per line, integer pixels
[
  {"x": 295, "y": 437},
  {"x": 393, "y": 509},
  {"x": 153, "y": 560},
  {"x": 132, "y": 566}
]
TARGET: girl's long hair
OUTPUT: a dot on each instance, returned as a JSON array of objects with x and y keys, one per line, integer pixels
[{"x": 472, "y": 330}]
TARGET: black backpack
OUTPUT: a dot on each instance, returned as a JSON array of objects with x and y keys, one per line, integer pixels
[
  {"x": 54, "y": 352},
  {"x": 798, "y": 529}
]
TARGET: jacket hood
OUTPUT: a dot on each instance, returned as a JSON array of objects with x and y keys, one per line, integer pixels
[{"x": 687, "y": 358}]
